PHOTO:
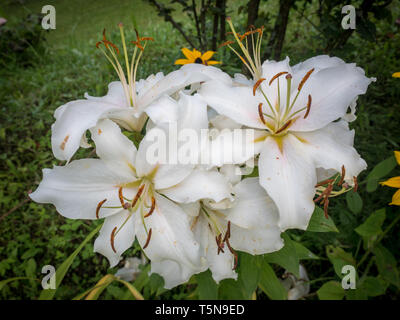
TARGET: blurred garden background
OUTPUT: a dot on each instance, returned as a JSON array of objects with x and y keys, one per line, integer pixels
[{"x": 43, "y": 69}]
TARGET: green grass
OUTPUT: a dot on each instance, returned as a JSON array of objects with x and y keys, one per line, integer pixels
[{"x": 33, "y": 235}]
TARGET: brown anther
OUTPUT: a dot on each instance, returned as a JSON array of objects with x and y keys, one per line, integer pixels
[
  {"x": 326, "y": 203},
  {"x": 225, "y": 43},
  {"x": 305, "y": 78},
  {"x": 355, "y": 184},
  {"x": 287, "y": 124},
  {"x": 112, "y": 239},
  {"x": 342, "y": 176},
  {"x": 220, "y": 244},
  {"x": 121, "y": 197},
  {"x": 308, "y": 106},
  {"x": 106, "y": 42},
  {"x": 228, "y": 231},
  {"x": 137, "y": 44},
  {"x": 153, "y": 206},
  {"x": 98, "y": 207},
  {"x": 138, "y": 194},
  {"x": 257, "y": 84},
  {"x": 146, "y": 39},
  {"x": 98, "y": 44},
  {"x": 234, "y": 254},
  {"x": 276, "y": 76},
  {"x": 62, "y": 145},
  {"x": 260, "y": 113},
  {"x": 324, "y": 182},
  {"x": 126, "y": 205},
  {"x": 148, "y": 239}
]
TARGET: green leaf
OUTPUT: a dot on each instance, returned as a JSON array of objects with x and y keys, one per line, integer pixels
[
  {"x": 373, "y": 225},
  {"x": 354, "y": 202},
  {"x": 319, "y": 223},
  {"x": 95, "y": 292},
  {"x": 230, "y": 289},
  {"x": 373, "y": 287},
  {"x": 382, "y": 169},
  {"x": 48, "y": 294},
  {"x": 331, "y": 290},
  {"x": 339, "y": 258},
  {"x": 270, "y": 284},
  {"x": 286, "y": 257},
  {"x": 248, "y": 273},
  {"x": 386, "y": 264},
  {"x": 303, "y": 253},
  {"x": 206, "y": 287},
  {"x": 3, "y": 283}
]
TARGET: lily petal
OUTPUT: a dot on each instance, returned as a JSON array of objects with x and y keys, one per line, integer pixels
[
  {"x": 200, "y": 184},
  {"x": 114, "y": 236},
  {"x": 77, "y": 189},
  {"x": 220, "y": 264},
  {"x": 112, "y": 146},
  {"x": 172, "y": 249},
  {"x": 288, "y": 174}
]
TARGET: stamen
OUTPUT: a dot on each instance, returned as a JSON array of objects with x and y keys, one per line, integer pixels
[
  {"x": 112, "y": 239},
  {"x": 324, "y": 182},
  {"x": 342, "y": 176},
  {"x": 226, "y": 43},
  {"x": 355, "y": 184},
  {"x": 287, "y": 124},
  {"x": 257, "y": 84},
  {"x": 121, "y": 197},
  {"x": 326, "y": 203},
  {"x": 235, "y": 255},
  {"x": 98, "y": 207},
  {"x": 260, "y": 113},
  {"x": 138, "y": 194},
  {"x": 153, "y": 206},
  {"x": 308, "y": 107},
  {"x": 276, "y": 76},
  {"x": 305, "y": 78},
  {"x": 148, "y": 239}
]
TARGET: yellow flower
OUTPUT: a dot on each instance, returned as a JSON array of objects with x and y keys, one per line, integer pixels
[
  {"x": 394, "y": 183},
  {"x": 396, "y": 75},
  {"x": 195, "y": 56}
]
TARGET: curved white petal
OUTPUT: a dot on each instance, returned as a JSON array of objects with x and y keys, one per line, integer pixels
[
  {"x": 187, "y": 112},
  {"x": 256, "y": 241},
  {"x": 332, "y": 148},
  {"x": 144, "y": 85},
  {"x": 179, "y": 79},
  {"x": 73, "y": 119},
  {"x": 254, "y": 219},
  {"x": 157, "y": 158},
  {"x": 288, "y": 174},
  {"x": 200, "y": 184},
  {"x": 221, "y": 122},
  {"x": 253, "y": 207},
  {"x": 237, "y": 103},
  {"x": 317, "y": 62},
  {"x": 113, "y": 146},
  {"x": 115, "y": 95},
  {"x": 332, "y": 91},
  {"x": 232, "y": 146},
  {"x": 221, "y": 265},
  {"x": 122, "y": 238},
  {"x": 77, "y": 188},
  {"x": 172, "y": 249}
]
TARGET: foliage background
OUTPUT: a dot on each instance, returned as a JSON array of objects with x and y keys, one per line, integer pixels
[{"x": 62, "y": 64}]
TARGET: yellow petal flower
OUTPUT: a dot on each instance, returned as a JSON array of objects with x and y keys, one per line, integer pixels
[
  {"x": 397, "y": 155},
  {"x": 396, "y": 198},
  {"x": 210, "y": 63},
  {"x": 396, "y": 75},
  {"x": 183, "y": 61},
  {"x": 207, "y": 55},
  {"x": 188, "y": 54},
  {"x": 392, "y": 182}
]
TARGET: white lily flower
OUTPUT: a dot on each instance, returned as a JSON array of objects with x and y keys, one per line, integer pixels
[
  {"x": 126, "y": 99},
  {"x": 136, "y": 198},
  {"x": 296, "y": 128},
  {"x": 250, "y": 224}
]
